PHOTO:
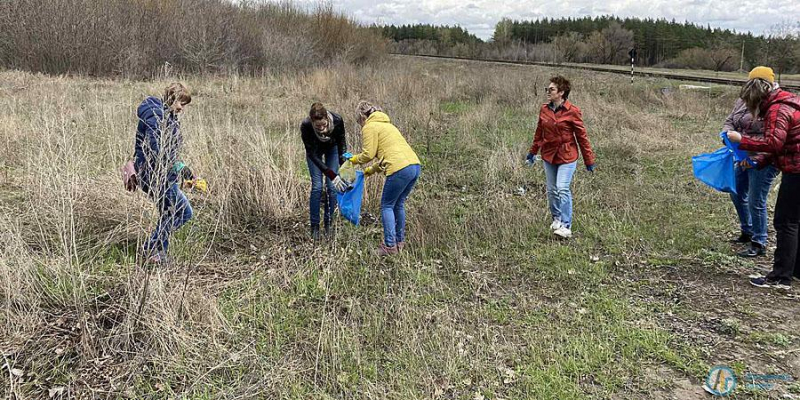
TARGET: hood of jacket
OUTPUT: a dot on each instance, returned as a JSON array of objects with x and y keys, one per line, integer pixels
[{"x": 378, "y": 116}]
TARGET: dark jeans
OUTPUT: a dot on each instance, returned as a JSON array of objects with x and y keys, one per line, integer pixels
[
  {"x": 174, "y": 210},
  {"x": 750, "y": 202},
  {"x": 787, "y": 222},
  {"x": 393, "y": 203},
  {"x": 331, "y": 158}
]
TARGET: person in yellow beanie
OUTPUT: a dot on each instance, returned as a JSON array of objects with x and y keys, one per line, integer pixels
[
  {"x": 383, "y": 141},
  {"x": 779, "y": 146}
]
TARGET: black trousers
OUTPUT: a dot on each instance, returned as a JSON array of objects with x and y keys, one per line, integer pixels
[{"x": 787, "y": 228}]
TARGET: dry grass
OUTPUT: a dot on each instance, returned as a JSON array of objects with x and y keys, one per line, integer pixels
[{"x": 485, "y": 302}]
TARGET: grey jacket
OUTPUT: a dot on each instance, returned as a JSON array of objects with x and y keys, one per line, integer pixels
[{"x": 742, "y": 121}]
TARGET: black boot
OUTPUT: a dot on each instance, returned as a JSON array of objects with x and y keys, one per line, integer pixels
[
  {"x": 754, "y": 250},
  {"x": 743, "y": 238},
  {"x": 315, "y": 232},
  {"x": 330, "y": 232}
]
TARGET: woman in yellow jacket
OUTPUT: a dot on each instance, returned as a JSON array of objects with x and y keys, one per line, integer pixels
[{"x": 382, "y": 141}]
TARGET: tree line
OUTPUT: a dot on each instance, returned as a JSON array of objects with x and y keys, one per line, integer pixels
[{"x": 608, "y": 40}]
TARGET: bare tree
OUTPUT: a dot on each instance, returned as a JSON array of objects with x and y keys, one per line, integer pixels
[
  {"x": 722, "y": 58},
  {"x": 782, "y": 51},
  {"x": 570, "y": 47},
  {"x": 611, "y": 45}
]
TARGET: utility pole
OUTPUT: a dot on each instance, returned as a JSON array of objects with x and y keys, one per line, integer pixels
[{"x": 741, "y": 60}]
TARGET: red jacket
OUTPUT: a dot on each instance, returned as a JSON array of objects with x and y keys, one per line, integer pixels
[
  {"x": 560, "y": 133},
  {"x": 781, "y": 131}
]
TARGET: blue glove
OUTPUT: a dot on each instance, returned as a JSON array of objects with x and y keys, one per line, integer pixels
[
  {"x": 590, "y": 168},
  {"x": 347, "y": 155},
  {"x": 530, "y": 159}
]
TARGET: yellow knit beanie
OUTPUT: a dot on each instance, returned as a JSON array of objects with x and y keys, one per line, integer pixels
[{"x": 764, "y": 73}]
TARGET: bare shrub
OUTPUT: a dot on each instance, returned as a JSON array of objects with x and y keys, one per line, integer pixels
[
  {"x": 714, "y": 59},
  {"x": 136, "y": 38}
]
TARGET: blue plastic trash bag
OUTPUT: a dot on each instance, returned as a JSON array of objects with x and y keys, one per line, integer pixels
[
  {"x": 738, "y": 155},
  {"x": 350, "y": 201},
  {"x": 716, "y": 169}
]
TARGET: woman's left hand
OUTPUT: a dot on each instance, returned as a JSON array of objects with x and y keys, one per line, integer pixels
[{"x": 734, "y": 137}]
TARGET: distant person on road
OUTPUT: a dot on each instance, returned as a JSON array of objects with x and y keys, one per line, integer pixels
[
  {"x": 159, "y": 171},
  {"x": 384, "y": 143},
  {"x": 780, "y": 111},
  {"x": 325, "y": 141},
  {"x": 752, "y": 184},
  {"x": 559, "y": 134}
]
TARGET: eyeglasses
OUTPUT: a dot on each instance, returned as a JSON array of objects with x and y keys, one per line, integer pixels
[{"x": 551, "y": 89}]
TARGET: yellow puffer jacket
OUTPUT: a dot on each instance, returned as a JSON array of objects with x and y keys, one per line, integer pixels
[{"x": 383, "y": 141}]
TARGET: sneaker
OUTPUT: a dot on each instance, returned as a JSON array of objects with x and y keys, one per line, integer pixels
[
  {"x": 157, "y": 259},
  {"x": 754, "y": 250},
  {"x": 384, "y": 250},
  {"x": 555, "y": 225},
  {"x": 400, "y": 246},
  {"x": 743, "y": 238},
  {"x": 563, "y": 232},
  {"x": 769, "y": 283}
]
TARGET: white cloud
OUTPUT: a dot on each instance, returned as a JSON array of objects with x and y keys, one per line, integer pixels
[{"x": 480, "y": 16}]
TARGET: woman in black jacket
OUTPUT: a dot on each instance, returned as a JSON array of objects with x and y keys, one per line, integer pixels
[{"x": 324, "y": 139}]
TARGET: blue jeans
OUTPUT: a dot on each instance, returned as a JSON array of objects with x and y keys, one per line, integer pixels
[
  {"x": 393, "y": 201},
  {"x": 174, "y": 211},
  {"x": 750, "y": 202},
  {"x": 559, "y": 195},
  {"x": 331, "y": 159}
]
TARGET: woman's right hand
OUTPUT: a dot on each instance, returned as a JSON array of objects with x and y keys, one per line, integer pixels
[{"x": 339, "y": 184}]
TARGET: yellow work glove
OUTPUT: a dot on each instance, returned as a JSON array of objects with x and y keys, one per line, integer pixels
[
  {"x": 373, "y": 169},
  {"x": 353, "y": 159}
]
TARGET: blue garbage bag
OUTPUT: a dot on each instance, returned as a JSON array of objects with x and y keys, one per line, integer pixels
[
  {"x": 716, "y": 169},
  {"x": 350, "y": 200},
  {"x": 738, "y": 155}
]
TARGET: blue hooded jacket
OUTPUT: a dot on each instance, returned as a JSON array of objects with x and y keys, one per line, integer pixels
[{"x": 158, "y": 141}]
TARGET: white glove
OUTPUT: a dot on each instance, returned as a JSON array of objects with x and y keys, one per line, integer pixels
[{"x": 339, "y": 184}]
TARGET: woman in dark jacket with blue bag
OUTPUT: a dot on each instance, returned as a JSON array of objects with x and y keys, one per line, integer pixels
[
  {"x": 325, "y": 142},
  {"x": 158, "y": 170}
]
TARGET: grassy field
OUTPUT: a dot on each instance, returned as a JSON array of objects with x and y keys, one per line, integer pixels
[{"x": 486, "y": 304}]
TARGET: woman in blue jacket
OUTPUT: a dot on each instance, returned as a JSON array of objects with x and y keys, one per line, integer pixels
[{"x": 158, "y": 169}]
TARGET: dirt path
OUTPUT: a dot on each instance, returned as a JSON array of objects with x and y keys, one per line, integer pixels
[{"x": 716, "y": 310}]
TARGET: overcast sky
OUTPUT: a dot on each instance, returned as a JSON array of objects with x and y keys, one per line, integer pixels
[{"x": 480, "y": 16}]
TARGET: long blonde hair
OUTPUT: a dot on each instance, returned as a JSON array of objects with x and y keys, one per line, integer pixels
[{"x": 754, "y": 92}]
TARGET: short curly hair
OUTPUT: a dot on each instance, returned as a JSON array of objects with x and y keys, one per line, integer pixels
[{"x": 562, "y": 84}]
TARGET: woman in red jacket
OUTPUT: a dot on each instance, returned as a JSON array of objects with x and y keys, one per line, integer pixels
[
  {"x": 559, "y": 134},
  {"x": 781, "y": 140}
]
